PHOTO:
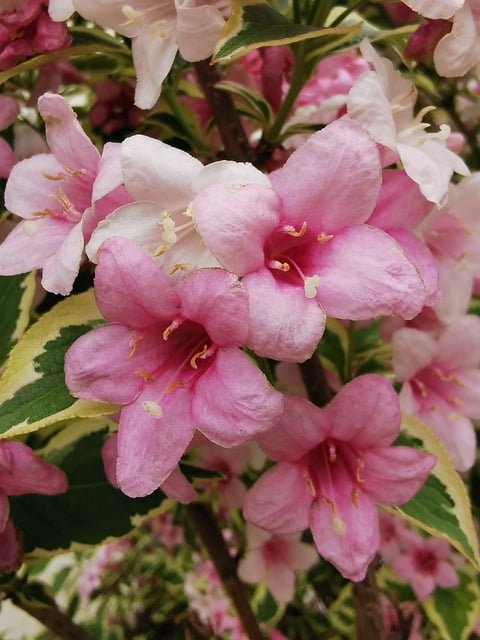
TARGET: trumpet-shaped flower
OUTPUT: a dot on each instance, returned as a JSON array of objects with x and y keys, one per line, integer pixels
[
  {"x": 382, "y": 101},
  {"x": 442, "y": 382},
  {"x": 299, "y": 241},
  {"x": 157, "y": 29},
  {"x": 171, "y": 356},
  {"x": 60, "y": 196},
  {"x": 334, "y": 464}
]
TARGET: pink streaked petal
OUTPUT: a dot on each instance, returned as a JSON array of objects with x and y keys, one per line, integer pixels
[
  {"x": 298, "y": 429},
  {"x": 393, "y": 475},
  {"x": 280, "y": 500},
  {"x": 412, "y": 350},
  {"x": 233, "y": 402},
  {"x": 351, "y": 542},
  {"x": 365, "y": 412},
  {"x": 284, "y": 324},
  {"x": 225, "y": 317},
  {"x": 198, "y": 29},
  {"x": 331, "y": 181},
  {"x": 459, "y": 344},
  {"x": 153, "y": 170},
  {"x": 28, "y": 189},
  {"x": 27, "y": 473},
  {"x": 11, "y": 553},
  {"x": 108, "y": 362},
  {"x": 124, "y": 297},
  {"x": 229, "y": 172},
  {"x": 365, "y": 273},
  {"x": 420, "y": 255},
  {"x": 235, "y": 223},
  {"x": 109, "y": 458},
  {"x": 153, "y": 58},
  {"x": 150, "y": 447},
  {"x": 68, "y": 142},
  {"x": 4, "y": 511},
  {"x": 400, "y": 203},
  {"x": 61, "y": 268},
  {"x": 31, "y": 243},
  {"x": 177, "y": 487}
]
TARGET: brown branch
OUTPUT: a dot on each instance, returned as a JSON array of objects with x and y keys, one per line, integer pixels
[
  {"x": 225, "y": 114},
  {"x": 368, "y": 613},
  {"x": 313, "y": 376},
  {"x": 210, "y": 533}
]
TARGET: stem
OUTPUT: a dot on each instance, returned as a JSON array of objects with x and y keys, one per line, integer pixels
[
  {"x": 368, "y": 614},
  {"x": 50, "y": 616},
  {"x": 210, "y": 533},
  {"x": 313, "y": 376},
  {"x": 226, "y": 116}
]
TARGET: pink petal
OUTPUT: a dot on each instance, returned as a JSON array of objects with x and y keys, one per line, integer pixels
[
  {"x": 11, "y": 552},
  {"x": 459, "y": 50},
  {"x": 412, "y": 350},
  {"x": 274, "y": 331},
  {"x": 235, "y": 222},
  {"x": 150, "y": 447},
  {"x": 109, "y": 458},
  {"x": 394, "y": 475},
  {"x": 280, "y": 581},
  {"x": 27, "y": 473},
  {"x": 124, "y": 297},
  {"x": 459, "y": 344},
  {"x": 233, "y": 401},
  {"x": 365, "y": 273},
  {"x": 153, "y": 170},
  {"x": 225, "y": 317},
  {"x": 4, "y": 511},
  {"x": 177, "y": 487},
  {"x": 109, "y": 175},
  {"x": 61, "y": 268},
  {"x": 365, "y": 412},
  {"x": 198, "y": 29},
  {"x": 280, "y": 500},
  {"x": 301, "y": 427},
  {"x": 332, "y": 181}
]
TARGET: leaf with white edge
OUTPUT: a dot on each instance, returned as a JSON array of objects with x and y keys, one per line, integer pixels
[
  {"x": 258, "y": 107},
  {"x": 32, "y": 388},
  {"x": 92, "y": 510},
  {"x": 254, "y": 24},
  {"x": 455, "y": 611},
  {"x": 16, "y": 296},
  {"x": 442, "y": 506},
  {"x": 341, "y": 613}
]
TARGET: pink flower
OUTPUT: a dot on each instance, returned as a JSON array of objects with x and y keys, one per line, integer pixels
[
  {"x": 298, "y": 240},
  {"x": 442, "y": 383},
  {"x": 21, "y": 472},
  {"x": 333, "y": 466},
  {"x": 275, "y": 559},
  {"x": 426, "y": 563},
  {"x": 171, "y": 356},
  {"x": 61, "y": 196},
  {"x": 158, "y": 31},
  {"x": 8, "y": 114},
  {"x": 26, "y": 30}
]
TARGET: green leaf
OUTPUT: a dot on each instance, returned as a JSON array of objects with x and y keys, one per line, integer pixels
[
  {"x": 254, "y": 24},
  {"x": 92, "y": 510},
  {"x": 441, "y": 507},
  {"x": 32, "y": 389},
  {"x": 16, "y": 296},
  {"x": 258, "y": 106},
  {"x": 455, "y": 611},
  {"x": 341, "y": 613}
]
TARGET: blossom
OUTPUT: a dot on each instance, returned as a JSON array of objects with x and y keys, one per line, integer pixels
[
  {"x": 298, "y": 240},
  {"x": 8, "y": 114},
  {"x": 275, "y": 559},
  {"x": 60, "y": 196},
  {"x": 21, "y": 472},
  {"x": 334, "y": 464},
  {"x": 171, "y": 356},
  {"x": 158, "y": 31},
  {"x": 382, "y": 101},
  {"x": 441, "y": 382}
]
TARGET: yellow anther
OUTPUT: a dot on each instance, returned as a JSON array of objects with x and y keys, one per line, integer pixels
[
  {"x": 133, "y": 345},
  {"x": 145, "y": 375},
  {"x": 200, "y": 354},
  {"x": 291, "y": 231},
  {"x": 171, "y": 327},
  {"x": 174, "y": 385},
  {"x": 49, "y": 176},
  {"x": 324, "y": 237},
  {"x": 159, "y": 251},
  {"x": 181, "y": 266},
  {"x": 309, "y": 481}
]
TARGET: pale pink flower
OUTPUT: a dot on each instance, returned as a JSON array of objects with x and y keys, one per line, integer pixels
[
  {"x": 298, "y": 240},
  {"x": 275, "y": 559},
  {"x": 171, "y": 356},
  {"x": 425, "y": 563},
  {"x": 107, "y": 558},
  {"x": 382, "y": 101},
  {"x": 22, "y": 472},
  {"x": 441, "y": 383},
  {"x": 165, "y": 532},
  {"x": 334, "y": 464},
  {"x": 392, "y": 529},
  {"x": 60, "y": 196},
  {"x": 157, "y": 29}
]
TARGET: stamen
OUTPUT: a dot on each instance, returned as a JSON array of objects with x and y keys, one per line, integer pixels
[
  {"x": 153, "y": 408},
  {"x": 196, "y": 356},
  {"x": 280, "y": 266},
  {"x": 310, "y": 286},
  {"x": 322, "y": 238},
  {"x": 291, "y": 231},
  {"x": 49, "y": 176},
  {"x": 168, "y": 235},
  {"x": 309, "y": 481},
  {"x": 133, "y": 345},
  {"x": 174, "y": 385},
  {"x": 181, "y": 266},
  {"x": 148, "y": 377},
  {"x": 159, "y": 251},
  {"x": 171, "y": 327}
]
